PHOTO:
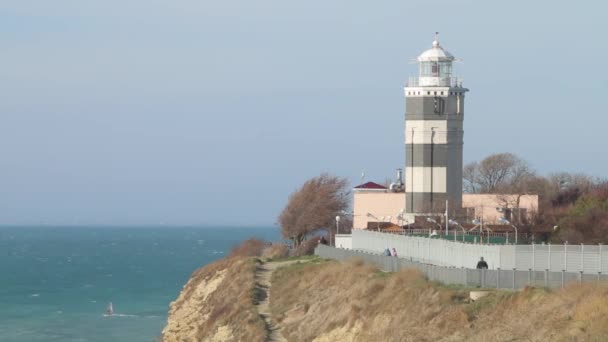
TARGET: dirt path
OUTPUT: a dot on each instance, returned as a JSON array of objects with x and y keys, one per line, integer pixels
[{"x": 263, "y": 274}]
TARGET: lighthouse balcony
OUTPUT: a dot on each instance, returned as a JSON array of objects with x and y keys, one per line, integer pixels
[{"x": 435, "y": 82}]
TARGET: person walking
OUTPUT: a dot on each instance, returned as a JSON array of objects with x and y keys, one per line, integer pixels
[{"x": 482, "y": 265}]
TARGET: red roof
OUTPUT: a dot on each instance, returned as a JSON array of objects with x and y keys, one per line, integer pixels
[{"x": 371, "y": 185}]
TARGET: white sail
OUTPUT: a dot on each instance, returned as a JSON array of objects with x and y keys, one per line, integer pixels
[{"x": 110, "y": 309}]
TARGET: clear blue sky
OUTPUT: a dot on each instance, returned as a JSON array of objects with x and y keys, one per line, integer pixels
[{"x": 199, "y": 112}]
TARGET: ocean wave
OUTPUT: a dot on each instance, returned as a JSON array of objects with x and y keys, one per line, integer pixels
[{"x": 119, "y": 315}]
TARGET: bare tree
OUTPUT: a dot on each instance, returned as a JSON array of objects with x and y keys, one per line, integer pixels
[
  {"x": 314, "y": 207},
  {"x": 496, "y": 173},
  {"x": 469, "y": 178}
]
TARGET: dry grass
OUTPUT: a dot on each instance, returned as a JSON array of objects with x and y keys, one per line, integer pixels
[
  {"x": 276, "y": 251},
  {"x": 226, "y": 311},
  {"x": 353, "y": 302},
  {"x": 249, "y": 248}
]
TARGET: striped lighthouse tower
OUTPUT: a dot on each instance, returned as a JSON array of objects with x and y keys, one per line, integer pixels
[{"x": 433, "y": 134}]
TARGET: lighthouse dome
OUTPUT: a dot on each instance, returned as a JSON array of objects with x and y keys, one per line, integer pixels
[{"x": 435, "y": 54}]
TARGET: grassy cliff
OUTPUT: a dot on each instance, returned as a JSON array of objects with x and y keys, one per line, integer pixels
[
  {"x": 321, "y": 300},
  {"x": 330, "y": 301}
]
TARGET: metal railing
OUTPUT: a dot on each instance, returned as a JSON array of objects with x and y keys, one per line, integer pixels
[
  {"x": 474, "y": 236},
  {"x": 415, "y": 81},
  {"x": 498, "y": 278}
]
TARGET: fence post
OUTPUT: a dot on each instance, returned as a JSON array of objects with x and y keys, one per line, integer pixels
[
  {"x": 498, "y": 277},
  {"x": 483, "y": 277},
  {"x": 582, "y": 257},
  {"x": 546, "y": 278},
  {"x": 529, "y": 277},
  {"x": 580, "y": 277},
  {"x": 566, "y": 255},
  {"x": 428, "y": 254},
  {"x": 514, "y": 278},
  {"x": 466, "y": 281},
  {"x": 462, "y": 255},
  {"x": 549, "y": 256},
  {"x": 600, "y": 262},
  {"x": 563, "y": 277},
  {"x": 533, "y": 256}
]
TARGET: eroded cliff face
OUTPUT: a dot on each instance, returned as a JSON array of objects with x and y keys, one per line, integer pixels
[{"x": 217, "y": 305}]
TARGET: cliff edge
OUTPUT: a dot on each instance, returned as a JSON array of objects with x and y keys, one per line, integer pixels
[
  {"x": 323, "y": 301},
  {"x": 217, "y": 304}
]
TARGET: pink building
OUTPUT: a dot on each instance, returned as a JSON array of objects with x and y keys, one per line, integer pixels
[{"x": 374, "y": 205}]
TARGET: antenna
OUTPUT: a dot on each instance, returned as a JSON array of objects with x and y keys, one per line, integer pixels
[{"x": 436, "y": 41}]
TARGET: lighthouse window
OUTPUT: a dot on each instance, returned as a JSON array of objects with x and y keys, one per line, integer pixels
[
  {"x": 435, "y": 69},
  {"x": 445, "y": 69}
]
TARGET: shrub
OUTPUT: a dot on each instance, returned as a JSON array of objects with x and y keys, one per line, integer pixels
[
  {"x": 306, "y": 248},
  {"x": 249, "y": 248}
]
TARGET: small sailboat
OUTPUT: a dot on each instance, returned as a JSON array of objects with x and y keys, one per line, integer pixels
[{"x": 109, "y": 310}]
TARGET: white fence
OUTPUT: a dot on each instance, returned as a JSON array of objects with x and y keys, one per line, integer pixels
[
  {"x": 344, "y": 241},
  {"x": 499, "y": 279},
  {"x": 589, "y": 259}
]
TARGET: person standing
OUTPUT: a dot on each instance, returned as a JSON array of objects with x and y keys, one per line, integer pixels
[{"x": 482, "y": 265}]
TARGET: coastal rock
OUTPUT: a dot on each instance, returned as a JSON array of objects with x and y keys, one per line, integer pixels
[
  {"x": 182, "y": 321},
  {"x": 217, "y": 305}
]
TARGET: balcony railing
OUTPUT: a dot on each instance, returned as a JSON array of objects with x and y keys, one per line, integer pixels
[{"x": 434, "y": 82}]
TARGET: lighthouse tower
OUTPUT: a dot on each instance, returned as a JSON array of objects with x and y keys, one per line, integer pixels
[{"x": 434, "y": 135}]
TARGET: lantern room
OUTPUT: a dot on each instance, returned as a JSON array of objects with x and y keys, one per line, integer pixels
[{"x": 435, "y": 67}]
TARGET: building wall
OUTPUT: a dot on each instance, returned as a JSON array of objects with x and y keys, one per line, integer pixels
[
  {"x": 377, "y": 203},
  {"x": 485, "y": 204},
  {"x": 385, "y": 203}
]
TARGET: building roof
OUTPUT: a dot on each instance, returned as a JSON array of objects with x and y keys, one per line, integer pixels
[
  {"x": 436, "y": 53},
  {"x": 370, "y": 186}
]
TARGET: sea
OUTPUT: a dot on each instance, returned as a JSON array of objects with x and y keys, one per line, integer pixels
[{"x": 56, "y": 282}]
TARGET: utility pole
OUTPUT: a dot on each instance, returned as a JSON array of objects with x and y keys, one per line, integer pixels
[{"x": 446, "y": 218}]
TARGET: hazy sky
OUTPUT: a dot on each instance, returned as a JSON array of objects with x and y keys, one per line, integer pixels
[{"x": 199, "y": 112}]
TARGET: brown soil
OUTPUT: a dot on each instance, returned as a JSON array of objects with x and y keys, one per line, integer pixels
[{"x": 263, "y": 275}]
